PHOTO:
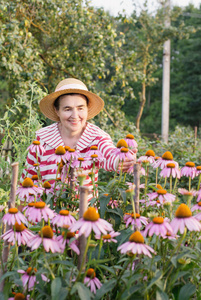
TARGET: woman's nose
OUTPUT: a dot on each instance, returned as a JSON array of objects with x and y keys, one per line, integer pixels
[{"x": 74, "y": 113}]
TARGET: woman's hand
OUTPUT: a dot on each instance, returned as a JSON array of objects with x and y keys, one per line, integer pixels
[{"x": 127, "y": 162}]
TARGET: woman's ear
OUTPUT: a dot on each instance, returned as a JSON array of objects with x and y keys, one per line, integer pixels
[{"x": 56, "y": 111}]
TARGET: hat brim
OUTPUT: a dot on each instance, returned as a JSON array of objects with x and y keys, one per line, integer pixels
[{"x": 95, "y": 104}]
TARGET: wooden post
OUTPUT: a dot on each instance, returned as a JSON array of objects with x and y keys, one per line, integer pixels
[
  {"x": 82, "y": 241},
  {"x": 195, "y": 138},
  {"x": 72, "y": 177},
  {"x": 136, "y": 169},
  {"x": 166, "y": 78},
  {"x": 11, "y": 203}
]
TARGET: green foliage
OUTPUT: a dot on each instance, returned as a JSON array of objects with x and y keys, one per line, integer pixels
[
  {"x": 46, "y": 41},
  {"x": 21, "y": 134},
  {"x": 184, "y": 79}
]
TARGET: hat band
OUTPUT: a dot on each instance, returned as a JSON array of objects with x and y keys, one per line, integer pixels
[{"x": 72, "y": 86}]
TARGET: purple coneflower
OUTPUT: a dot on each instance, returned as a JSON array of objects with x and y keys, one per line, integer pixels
[
  {"x": 136, "y": 245},
  {"x": 92, "y": 281},
  {"x": 34, "y": 178},
  {"x": 35, "y": 167},
  {"x": 135, "y": 220},
  {"x": 38, "y": 212},
  {"x": 166, "y": 158},
  {"x": 71, "y": 155},
  {"x": 170, "y": 236},
  {"x": 185, "y": 192},
  {"x": 149, "y": 156},
  {"x": 189, "y": 170},
  {"x": 96, "y": 158},
  {"x": 81, "y": 162},
  {"x": 58, "y": 156},
  {"x": 64, "y": 240},
  {"x": 120, "y": 144},
  {"x": 170, "y": 170},
  {"x": 113, "y": 203},
  {"x": 187, "y": 195},
  {"x": 47, "y": 239},
  {"x": 19, "y": 296},
  {"x": 63, "y": 218},
  {"x": 148, "y": 203},
  {"x": 130, "y": 140},
  {"x": 124, "y": 153},
  {"x": 108, "y": 238},
  {"x": 197, "y": 206},
  {"x": 183, "y": 218},
  {"x": 29, "y": 277},
  {"x": 18, "y": 234},
  {"x": 12, "y": 216},
  {"x": 48, "y": 188},
  {"x": 91, "y": 221},
  {"x": 94, "y": 150},
  {"x": 36, "y": 147},
  {"x": 26, "y": 189},
  {"x": 28, "y": 208},
  {"x": 158, "y": 226},
  {"x": 162, "y": 195},
  {"x": 198, "y": 170}
]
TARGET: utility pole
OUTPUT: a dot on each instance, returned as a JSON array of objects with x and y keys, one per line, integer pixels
[{"x": 166, "y": 78}]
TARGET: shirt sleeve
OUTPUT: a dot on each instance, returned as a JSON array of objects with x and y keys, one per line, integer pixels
[{"x": 106, "y": 147}]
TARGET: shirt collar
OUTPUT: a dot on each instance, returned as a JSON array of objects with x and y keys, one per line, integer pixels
[{"x": 51, "y": 136}]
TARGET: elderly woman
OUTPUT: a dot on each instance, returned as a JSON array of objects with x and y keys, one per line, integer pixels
[{"x": 71, "y": 106}]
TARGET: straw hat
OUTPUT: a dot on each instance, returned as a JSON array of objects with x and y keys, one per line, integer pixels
[{"x": 69, "y": 86}]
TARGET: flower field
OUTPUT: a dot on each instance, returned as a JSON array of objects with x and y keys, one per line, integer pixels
[{"x": 129, "y": 241}]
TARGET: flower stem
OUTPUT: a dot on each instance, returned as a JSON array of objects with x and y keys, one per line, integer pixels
[
  {"x": 165, "y": 182},
  {"x": 120, "y": 175},
  {"x": 189, "y": 183},
  {"x": 175, "y": 184},
  {"x": 84, "y": 256},
  {"x": 170, "y": 183},
  {"x": 199, "y": 182},
  {"x": 156, "y": 176}
]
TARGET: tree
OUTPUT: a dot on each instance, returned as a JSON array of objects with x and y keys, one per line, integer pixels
[
  {"x": 145, "y": 35},
  {"x": 186, "y": 66},
  {"x": 45, "y": 41}
]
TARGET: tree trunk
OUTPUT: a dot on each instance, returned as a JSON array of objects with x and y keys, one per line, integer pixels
[{"x": 143, "y": 100}]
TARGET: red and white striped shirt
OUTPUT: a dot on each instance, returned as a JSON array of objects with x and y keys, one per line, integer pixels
[{"x": 50, "y": 139}]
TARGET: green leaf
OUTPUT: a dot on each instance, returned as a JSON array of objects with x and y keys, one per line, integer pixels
[
  {"x": 123, "y": 194},
  {"x": 181, "y": 274},
  {"x": 116, "y": 211},
  {"x": 55, "y": 288},
  {"x": 110, "y": 270},
  {"x": 160, "y": 295},
  {"x": 2, "y": 296},
  {"x": 155, "y": 279},
  {"x": 62, "y": 262},
  {"x": 174, "y": 261},
  {"x": 83, "y": 291},
  {"x": 128, "y": 293},
  {"x": 104, "y": 200},
  {"x": 7, "y": 274},
  {"x": 187, "y": 291},
  {"x": 106, "y": 287}
]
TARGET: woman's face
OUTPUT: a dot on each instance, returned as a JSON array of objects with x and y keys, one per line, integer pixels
[{"x": 73, "y": 112}]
